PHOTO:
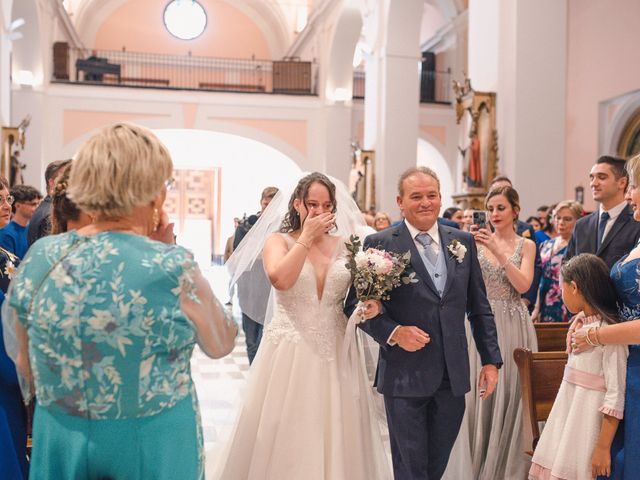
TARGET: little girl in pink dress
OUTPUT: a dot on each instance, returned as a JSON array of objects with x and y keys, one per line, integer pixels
[{"x": 576, "y": 440}]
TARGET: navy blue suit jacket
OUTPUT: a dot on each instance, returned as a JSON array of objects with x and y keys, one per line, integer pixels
[
  {"x": 620, "y": 240},
  {"x": 419, "y": 374}
]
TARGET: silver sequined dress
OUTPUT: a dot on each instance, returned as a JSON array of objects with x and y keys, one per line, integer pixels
[{"x": 489, "y": 445}]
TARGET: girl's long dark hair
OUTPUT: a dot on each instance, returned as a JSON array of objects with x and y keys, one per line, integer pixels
[
  {"x": 592, "y": 278},
  {"x": 292, "y": 220}
]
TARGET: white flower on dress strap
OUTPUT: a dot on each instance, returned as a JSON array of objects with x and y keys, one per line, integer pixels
[
  {"x": 9, "y": 269},
  {"x": 458, "y": 250}
]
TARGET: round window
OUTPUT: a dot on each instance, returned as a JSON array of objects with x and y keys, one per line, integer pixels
[{"x": 185, "y": 19}]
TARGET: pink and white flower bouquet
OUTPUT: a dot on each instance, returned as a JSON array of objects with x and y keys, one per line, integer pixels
[{"x": 377, "y": 272}]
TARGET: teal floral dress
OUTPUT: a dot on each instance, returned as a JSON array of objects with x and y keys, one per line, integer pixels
[{"x": 109, "y": 348}]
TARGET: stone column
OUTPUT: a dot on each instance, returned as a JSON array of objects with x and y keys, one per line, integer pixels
[{"x": 392, "y": 97}]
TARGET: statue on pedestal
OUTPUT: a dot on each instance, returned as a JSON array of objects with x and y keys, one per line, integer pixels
[
  {"x": 13, "y": 141},
  {"x": 478, "y": 146}
]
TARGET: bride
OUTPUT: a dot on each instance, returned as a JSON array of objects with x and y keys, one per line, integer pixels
[{"x": 302, "y": 417}]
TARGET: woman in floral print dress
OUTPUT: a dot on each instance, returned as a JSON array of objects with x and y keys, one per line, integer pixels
[
  {"x": 549, "y": 307},
  {"x": 111, "y": 313}
]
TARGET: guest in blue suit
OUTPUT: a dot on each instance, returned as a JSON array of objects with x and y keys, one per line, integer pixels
[{"x": 423, "y": 368}]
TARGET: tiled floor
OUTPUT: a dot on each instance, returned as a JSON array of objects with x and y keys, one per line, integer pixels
[{"x": 219, "y": 382}]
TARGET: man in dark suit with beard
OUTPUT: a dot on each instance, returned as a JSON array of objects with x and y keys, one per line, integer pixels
[{"x": 610, "y": 232}]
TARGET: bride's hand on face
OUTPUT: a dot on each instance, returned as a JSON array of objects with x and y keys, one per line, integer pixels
[{"x": 316, "y": 226}]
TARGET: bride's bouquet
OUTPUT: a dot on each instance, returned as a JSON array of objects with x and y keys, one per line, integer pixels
[{"x": 377, "y": 272}]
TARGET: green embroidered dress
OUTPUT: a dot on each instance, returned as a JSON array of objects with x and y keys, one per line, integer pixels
[{"x": 109, "y": 347}]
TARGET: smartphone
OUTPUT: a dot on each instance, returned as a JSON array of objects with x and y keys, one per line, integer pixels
[{"x": 479, "y": 219}]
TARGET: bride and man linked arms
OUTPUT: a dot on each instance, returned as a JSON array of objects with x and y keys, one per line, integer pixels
[{"x": 299, "y": 402}]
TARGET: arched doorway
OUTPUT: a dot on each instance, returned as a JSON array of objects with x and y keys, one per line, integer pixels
[
  {"x": 220, "y": 176},
  {"x": 629, "y": 143},
  {"x": 429, "y": 156}
]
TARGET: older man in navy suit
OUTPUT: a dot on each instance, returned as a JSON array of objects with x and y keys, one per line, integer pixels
[{"x": 423, "y": 368}]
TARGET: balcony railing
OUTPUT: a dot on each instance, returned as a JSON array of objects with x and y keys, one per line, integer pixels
[
  {"x": 183, "y": 72},
  {"x": 435, "y": 87}
]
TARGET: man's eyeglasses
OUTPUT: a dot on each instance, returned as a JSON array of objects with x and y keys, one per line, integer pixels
[
  {"x": 170, "y": 184},
  {"x": 9, "y": 199}
]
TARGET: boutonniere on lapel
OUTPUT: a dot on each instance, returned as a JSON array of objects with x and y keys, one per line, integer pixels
[{"x": 457, "y": 250}]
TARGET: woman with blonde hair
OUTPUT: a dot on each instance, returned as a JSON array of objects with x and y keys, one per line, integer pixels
[
  {"x": 109, "y": 316},
  {"x": 381, "y": 221},
  {"x": 549, "y": 306}
]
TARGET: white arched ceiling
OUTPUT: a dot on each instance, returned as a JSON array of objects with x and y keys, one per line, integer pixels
[
  {"x": 341, "y": 51},
  {"x": 267, "y": 15}
]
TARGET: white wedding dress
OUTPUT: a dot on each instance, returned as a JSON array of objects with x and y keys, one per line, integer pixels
[{"x": 301, "y": 418}]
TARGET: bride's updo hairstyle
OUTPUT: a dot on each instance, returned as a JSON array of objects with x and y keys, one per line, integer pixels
[
  {"x": 510, "y": 194},
  {"x": 292, "y": 220}
]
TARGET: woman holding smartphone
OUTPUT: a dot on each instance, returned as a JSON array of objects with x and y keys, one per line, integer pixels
[{"x": 491, "y": 436}]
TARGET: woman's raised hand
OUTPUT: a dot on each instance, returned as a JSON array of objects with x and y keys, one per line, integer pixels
[
  {"x": 484, "y": 236},
  {"x": 164, "y": 233},
  {"x": 317, "y": 226}
]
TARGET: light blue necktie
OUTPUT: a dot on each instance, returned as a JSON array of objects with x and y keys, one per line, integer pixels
[{"x": 425, "y": 240}]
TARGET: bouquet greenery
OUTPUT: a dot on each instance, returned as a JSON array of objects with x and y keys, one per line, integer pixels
[{"x": 377, "y": 272}]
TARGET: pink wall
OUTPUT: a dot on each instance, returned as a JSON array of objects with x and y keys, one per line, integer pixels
[
  {"x": 138, "y": 25},
  {"x": 602, "y": 63}
]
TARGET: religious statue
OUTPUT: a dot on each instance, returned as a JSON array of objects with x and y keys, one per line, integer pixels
[
  {"x": 477, "y": 145},
  {"x": 13, "y": 141},
  {"x": 361, "y": 177}
]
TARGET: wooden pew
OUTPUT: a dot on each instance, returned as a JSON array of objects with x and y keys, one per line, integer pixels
[
  {"x": 551, "y": 336},
  {"x": 540, "y": 378}
]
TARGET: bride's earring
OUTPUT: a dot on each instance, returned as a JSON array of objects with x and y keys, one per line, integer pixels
[{"x": 155, "y": 219}]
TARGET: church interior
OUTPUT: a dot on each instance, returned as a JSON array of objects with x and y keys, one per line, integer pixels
[
  {"x": 263, "y": 89},
  {"x": 247, "y": 94}
]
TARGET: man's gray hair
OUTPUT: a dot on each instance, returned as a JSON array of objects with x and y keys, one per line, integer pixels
[{"x": 410, "y": 172}]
